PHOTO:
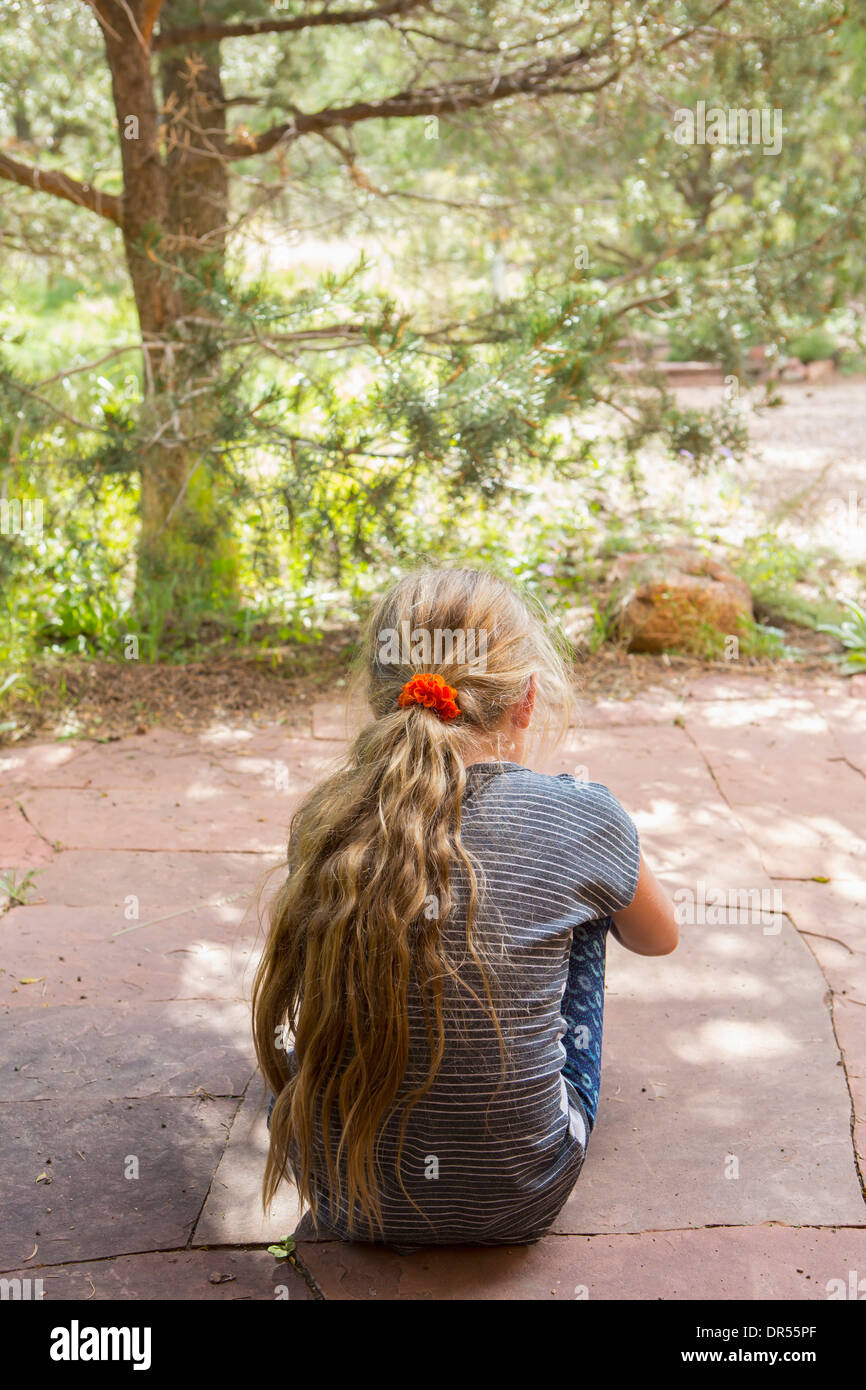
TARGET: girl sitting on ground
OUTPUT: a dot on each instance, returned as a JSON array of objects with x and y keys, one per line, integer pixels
[{"x": 437, "y": 950}]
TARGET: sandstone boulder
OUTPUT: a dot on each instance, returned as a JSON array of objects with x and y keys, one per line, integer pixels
[{"x": 676, "y": 598}]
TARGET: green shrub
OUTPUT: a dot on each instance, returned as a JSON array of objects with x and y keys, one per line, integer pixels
[{"x": 852, "y": 634}]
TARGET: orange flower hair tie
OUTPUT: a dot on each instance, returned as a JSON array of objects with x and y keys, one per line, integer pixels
[{"x": 431, "y": 691}]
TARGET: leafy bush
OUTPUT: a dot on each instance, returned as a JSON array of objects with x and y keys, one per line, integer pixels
[
  {"x": 814, "y": 346},
  {"x": 852, "y": 634}
]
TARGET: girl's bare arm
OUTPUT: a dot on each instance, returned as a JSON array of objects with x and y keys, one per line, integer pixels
[{"x": 647, "y": 926}]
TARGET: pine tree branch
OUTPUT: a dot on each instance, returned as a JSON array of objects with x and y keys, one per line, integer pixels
[
  {"x": 538, "y": 79},
  {"x": 544, "y": 78},
  {"x": 53, "y": 181},
  {"x": 213, "y": 33}
]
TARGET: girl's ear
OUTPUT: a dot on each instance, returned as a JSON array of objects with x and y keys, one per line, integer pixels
[{"x": 523, "y": 712}]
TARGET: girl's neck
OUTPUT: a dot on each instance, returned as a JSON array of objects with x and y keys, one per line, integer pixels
[{"x": 500, "y": 747}]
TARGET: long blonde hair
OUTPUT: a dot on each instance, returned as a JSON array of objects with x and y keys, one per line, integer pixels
[{"x": 369, "y": 850}]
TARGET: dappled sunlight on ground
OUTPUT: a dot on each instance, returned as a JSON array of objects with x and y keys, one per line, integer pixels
[{"x": 730, "y": 1040}]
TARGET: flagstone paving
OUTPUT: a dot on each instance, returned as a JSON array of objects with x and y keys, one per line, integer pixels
[{"x": 730, "y": 1153}]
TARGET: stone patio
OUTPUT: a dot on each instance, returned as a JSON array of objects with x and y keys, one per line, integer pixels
[{"x": 730, "y": 1153}]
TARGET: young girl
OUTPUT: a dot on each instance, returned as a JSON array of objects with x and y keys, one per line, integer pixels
[{"x": 437, "y": 950}]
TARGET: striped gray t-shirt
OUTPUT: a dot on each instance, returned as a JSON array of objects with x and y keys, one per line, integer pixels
[{"x": 491, "y": 1159}]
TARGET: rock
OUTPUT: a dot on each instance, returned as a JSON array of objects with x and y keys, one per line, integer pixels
[
  {"x": 821, "y": 370},
  {"x": 675, "y": 598}
]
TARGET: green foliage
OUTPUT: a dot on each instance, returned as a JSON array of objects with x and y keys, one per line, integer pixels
[
  {"x": 283, "y": 1248},
  {"x": 18, "y": 889},
  {"x": 852, "y": 634},
  {"x": 814, "y": 346},
  {"x": 785, "y": 580}
]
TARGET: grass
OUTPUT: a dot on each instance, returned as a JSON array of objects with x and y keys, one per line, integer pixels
[{"x": 16, "y": 889}]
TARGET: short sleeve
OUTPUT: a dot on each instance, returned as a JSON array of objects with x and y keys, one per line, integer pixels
[{"x": 608, "y": 847}]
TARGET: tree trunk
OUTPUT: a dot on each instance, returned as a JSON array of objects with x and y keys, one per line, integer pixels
[
  {"x": 186, "y": 528},
  {"x": 175, "y": 214}
]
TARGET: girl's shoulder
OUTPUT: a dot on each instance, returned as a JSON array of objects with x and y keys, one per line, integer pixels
[
  {"x": 563, "y": 824},
  {"x": 565, "y": 794},
  {"x": 557, "y": 785}
]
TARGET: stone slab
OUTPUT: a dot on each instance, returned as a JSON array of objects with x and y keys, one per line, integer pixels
[
  {"x": 125, "y": 1051},
  {"x": 90, "y": 1209},
  {"x": 21, "y": 845},
  {"x": 162, "y": 881},
  {"x": 659, "y": 707},
  {"x": 779, "y": 766},
  {"x": 832, "y": 917},
  {"x": 202, "y": 1276},
  {"x": 764, "y": 1262},
  {"x": 145, "y": 819},
  {"x": 51, "y": 764},
  {"x": 846, "y": 717},
  {"x": 729, "y": 684},
  {"x": 80, "y": 762},
  {"x": 291, "y": 766},
  {"x": 337, "y": 719},
  {"x": 202, "y": 765},
  {"x": 830, "y": 795},
  {"x": 233, "y": 1213},
  {"x": 754, "y": 728},
  {"x": 795, "y": 783},
  {"x": 75, "y": 955},
  {"x": 688, "y": 833},
  {"x": 725, "y": 1048},
  {"x": 803, "y": 846},
  {"x": 34, "y": 764},
  {"x": 835, "y": 909},
  {"x": 123, "y": 764},
  {"x": 229, "y": 799}
]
